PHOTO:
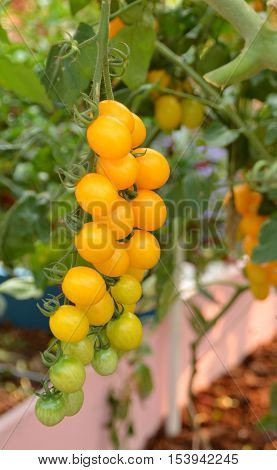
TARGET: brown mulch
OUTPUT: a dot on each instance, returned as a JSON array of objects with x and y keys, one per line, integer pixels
[
  {"x": 230, "y": 408},
  {"x": 19, "y": 353}
]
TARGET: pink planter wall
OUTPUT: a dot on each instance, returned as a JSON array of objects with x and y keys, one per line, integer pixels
[{"x": 247, "y": 324}]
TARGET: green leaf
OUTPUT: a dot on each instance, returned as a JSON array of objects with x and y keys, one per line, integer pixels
[
  {"x": 76, "y": 5},
  {"x": 65, "y": 79},
  {"x": 143, "y": 379},
  {"x": 140, "y": 37},
  {"x": 24, "y": 223},
  {"x": 267, "y": 249},
  {"x": 218, "y": 135},
  {"x": 23, "y": 81},
  {"x": 21, "y": 288},
  {"x": 3, "y": 35}
]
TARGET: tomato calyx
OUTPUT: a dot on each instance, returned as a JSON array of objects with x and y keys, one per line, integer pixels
[
  {"x": 118, "y": 309},
  {"x": 49, "y": 358},
  {"x": 101, "y": 341},
  {"x": 49, "y": 305},
  {"x": 48, "y": 391},
  {"x": 129, "y": 194},
  {"x": 139, "y": 154}
]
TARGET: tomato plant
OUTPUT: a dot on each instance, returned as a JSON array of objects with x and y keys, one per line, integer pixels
[{"x": 161, "y": 147}]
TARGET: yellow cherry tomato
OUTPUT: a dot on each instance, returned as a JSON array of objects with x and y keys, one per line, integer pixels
[
  {"x": 168, "y": 112},
  {"x": 149, "y": 210},
  {"x": 118, "y": 111},
  {"x": 139, "y": 133},
  {"x": 192, "y": 113},
  {"x": 127, "y": 290},
  {"x": 122, "y": 173},
  {"x": 100, "y": 313},
  {"x": 153, "y": 169},
  {"x": 95, "y": 242},
  {"x": 259, "y": 290},
  {"x": 120, "y": 220},
  {"x": 109, "y": 138},
  {"x": 115, "y": 25},
  {"x": 125, "y": 332},
  {"x": 136, "y": 273},
  {"x": 69, "y": 324},
  {"x": 144, "y": 250},
  {"x": 117, "y": 264},
  {"x": 95, "y": 194},
  {"x": 83, "y": 286}
]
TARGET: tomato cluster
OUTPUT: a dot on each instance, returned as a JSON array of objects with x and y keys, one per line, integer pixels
[
  {"x": 118, "y": 246},
  {"x": 247, "y": 204},
  {"x": 171, "y": 112}
]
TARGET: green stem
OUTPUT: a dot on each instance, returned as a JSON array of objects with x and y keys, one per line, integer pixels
[
  {"x": 226, "y": 109},
  {"x": 102, "y": 41},
  {"x": 125, "y": 8},
  {"x": 225, "y": 308},
  {"x": 240, "y": 15},
  {"x": 180, "y": 94}
]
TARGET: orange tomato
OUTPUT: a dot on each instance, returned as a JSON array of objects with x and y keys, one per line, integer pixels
[
  {"x": 95, "y": 194},
  {"x": 149, "y": 210},
  {"x": 153, "y": 169},
  {"x": 109, "y": 137},
  {"x": 120, "y": 220},
  {"x": 100, "y": 313},
  {"x": 139, "y": 133},
  {"x": 168, "y": 112},
  {"x": 122, "y": 173},
  {"x": 248, "y": 244},
  {"x": 246, "y": 201},
  {"x": 118, "y": 111},
  {"x": 95, "y": 242},
  {"x": 250, "y": 224},
  {"x": 143, "y": 249},
  {"x": 117, "y": 264},
  {"x": 115, "y": 25},
  {"x": 83, "y": 286}
]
